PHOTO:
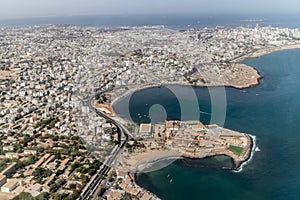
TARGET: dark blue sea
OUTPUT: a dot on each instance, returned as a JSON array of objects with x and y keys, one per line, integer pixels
[
  {"x": 270, "y": 111},
  {"x": 173, "y": 21}
]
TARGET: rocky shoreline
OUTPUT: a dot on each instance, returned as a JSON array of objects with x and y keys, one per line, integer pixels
[{"x": 238, "y": 164}]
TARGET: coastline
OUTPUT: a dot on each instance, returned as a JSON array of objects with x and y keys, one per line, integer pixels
[
  {"x": 238, "y": 165},
  {"x": 250, "y": 155},
  {"x": 146, "y": 160},
  {"x": 261, "y": 52},
  {"x": 255, "y": 54},
  {"x": 251, "y": 55}
]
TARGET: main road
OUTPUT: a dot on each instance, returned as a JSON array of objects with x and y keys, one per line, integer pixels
[{"x": 121, "y": 130}]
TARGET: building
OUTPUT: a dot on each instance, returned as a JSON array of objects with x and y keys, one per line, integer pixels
[
  {"x": 2, "y": 179},
  {"x": 30, "y": 152},
  {"x": 114, "y": 194},
  {"x": 145, "y": 130},
  {"x": 34, "y": 190},
  {"x": 172, "y": 126},
  {"x": 12, "y": 155},
  {"x": 10, "y": 185},
  {"x": 41, "y": 160},
  {"x": 196, "y": 125},
  {"x": 121, "y": 174},
  {"x": 9, "y": 169},
  {"x": 8, "y": 148}
]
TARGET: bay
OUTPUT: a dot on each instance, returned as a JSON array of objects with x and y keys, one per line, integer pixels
[{"x": 270, "y": 111}]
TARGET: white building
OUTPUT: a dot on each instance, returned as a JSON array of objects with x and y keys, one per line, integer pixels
[{"x": 10, "y": 185}]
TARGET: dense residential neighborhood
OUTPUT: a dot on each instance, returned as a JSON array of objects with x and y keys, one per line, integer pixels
[{"x": 52, "y": 145}]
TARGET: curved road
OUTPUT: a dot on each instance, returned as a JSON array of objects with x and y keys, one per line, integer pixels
[{"x": 121, "y": 130}]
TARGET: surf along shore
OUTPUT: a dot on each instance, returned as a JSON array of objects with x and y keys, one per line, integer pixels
[
  {"x": 158, "y": 156},
  {"x": 117, "y": 98}
]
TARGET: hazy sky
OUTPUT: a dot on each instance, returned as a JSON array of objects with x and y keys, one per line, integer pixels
[{"x": 32, "y": 8}]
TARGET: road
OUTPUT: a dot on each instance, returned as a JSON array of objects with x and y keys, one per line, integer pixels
[{"x": 121, "y": 130}]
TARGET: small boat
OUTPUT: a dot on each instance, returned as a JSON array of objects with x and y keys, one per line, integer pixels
[
  {"x": 168, "y": 175},
  {"x": 171, "y": 180}
]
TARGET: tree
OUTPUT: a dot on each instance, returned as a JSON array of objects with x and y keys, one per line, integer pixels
[
  {"x": 42, "y": 196},
  {"x": 41, "y": 173},
  {"x": 72, "y": 186},
  {"x": 74, "y": 166},
  {"x": 24, "y": 196}
]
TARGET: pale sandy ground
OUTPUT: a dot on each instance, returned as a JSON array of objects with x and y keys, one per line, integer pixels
[
  {"x": 4, "y": 74},
  {"x": 261, "y": 52},
  {"x": 139, "y": 161},
  {"x": 240, "y": 76},
  {"x": 236, "y": 75},
  {"x": 6, "y": 196}
]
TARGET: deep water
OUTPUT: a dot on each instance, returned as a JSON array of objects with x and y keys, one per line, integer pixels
[{"x": 270, "y": 111}]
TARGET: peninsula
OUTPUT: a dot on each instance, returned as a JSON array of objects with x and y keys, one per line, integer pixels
[
  {"x": 52, "y": 145},
  {"x": 188, "y": 139}
]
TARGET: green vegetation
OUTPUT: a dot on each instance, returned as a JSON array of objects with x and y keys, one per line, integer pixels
[
  {"x": 91, "y": 170},
  {"x": 55, "y": 186},
  {"x": 3, "y": 163},
  {"x": 236, "y": 149},
  {"x": 73, "y": 196},
  {"x": 72, "y": 186},
  {"x": 41, "y": 173},
  {"x": 50, "y": 122},
  {"x": 101, "y": 98},
  {"x": 30, "y": 160},
  {"x": 24, "y": 196},
  {"x": 26, "y": 140},
  {"x": 42, "y": 196}
]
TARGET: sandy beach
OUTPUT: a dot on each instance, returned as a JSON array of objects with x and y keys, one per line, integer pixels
[
  {"x": 244, "y": 76},
  {"x": 262, "y": 52},
  {"x": 141, "y": 161}
]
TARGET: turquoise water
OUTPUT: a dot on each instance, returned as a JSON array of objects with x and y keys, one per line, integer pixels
[{"x": 270, "y": 111}]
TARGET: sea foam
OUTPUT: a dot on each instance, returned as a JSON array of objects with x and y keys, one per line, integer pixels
[{"x": 253, "y": 150}]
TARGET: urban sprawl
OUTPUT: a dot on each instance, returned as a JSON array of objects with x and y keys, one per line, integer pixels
[{"x": 53, "y": 146}]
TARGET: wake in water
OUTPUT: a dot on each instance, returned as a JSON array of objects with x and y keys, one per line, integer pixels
[
  {"x": 254, "y": 149},
  {"x": 205, "y": 113}
]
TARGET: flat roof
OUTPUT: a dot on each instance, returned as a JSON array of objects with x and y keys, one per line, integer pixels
[
  {"x": 9, "y": 167},
  {"x": 11, "y": 183},
  {"x": 2, "y": 177},
  {"x": 145, "y": 128}
]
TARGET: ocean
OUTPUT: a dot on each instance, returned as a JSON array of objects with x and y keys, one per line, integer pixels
[
  {"x": 172, "y": 21},
  {"x": 270, "y": 111}
]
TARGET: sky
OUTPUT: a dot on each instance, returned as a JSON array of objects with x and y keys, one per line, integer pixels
[{"x": 40, "y": 8}]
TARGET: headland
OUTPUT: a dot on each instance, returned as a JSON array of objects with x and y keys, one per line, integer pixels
[{"x": 184, "y": 139}]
